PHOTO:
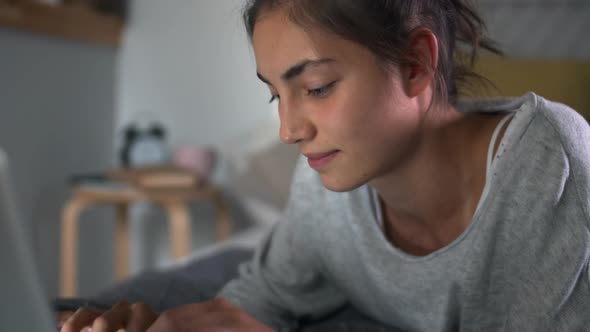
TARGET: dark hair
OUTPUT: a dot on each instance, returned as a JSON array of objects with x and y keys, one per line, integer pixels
[{"x": 384, "y": 27}]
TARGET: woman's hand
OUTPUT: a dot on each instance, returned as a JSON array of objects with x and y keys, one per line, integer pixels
[
  {"x": 121, "y": 317},
  {"x": 214, "y": 315}
]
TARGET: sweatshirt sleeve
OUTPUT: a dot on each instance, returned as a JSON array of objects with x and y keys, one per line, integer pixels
[{"x": 283, "y": 283}]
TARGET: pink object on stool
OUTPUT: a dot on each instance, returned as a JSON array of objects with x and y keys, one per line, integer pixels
[{"x": 195, "y": 158}]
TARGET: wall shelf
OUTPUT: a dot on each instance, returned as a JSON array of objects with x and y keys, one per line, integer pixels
[{"x": 72, "y": 22}]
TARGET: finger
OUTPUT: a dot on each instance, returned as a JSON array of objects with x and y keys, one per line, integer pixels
[
  {"x": 63, "y": 316},
  {"x": 142, "y": 317},
  {"x": 83, "y": 317},
  {"x": 114, "y": 319}
]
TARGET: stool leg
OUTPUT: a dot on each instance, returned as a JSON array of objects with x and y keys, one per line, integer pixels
[
  {"x": 69, "y": 246},
  {"x": 122, "y": 242},
  {"x": 180, "y": 228},
  {"x": 224, "y": 226}
]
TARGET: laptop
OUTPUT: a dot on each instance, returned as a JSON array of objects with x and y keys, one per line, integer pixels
[{"x": 24, "y": 306}]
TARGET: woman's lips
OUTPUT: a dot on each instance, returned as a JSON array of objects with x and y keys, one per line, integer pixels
[{"x": 319, "y": 160}]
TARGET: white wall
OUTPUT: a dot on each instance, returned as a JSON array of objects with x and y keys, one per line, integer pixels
[{"x": 189, "y": 62}]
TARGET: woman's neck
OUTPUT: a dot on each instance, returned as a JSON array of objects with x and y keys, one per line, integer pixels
[{"x": 429, "y": 201}]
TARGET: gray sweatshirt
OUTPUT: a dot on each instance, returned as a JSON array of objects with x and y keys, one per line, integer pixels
[{"x": 521, "y": 265}]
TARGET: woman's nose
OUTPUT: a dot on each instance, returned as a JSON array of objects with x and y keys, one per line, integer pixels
[{"x": 295, "y": 127}]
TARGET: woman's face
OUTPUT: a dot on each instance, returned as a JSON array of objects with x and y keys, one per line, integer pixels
[{"x": 348, "y": 115}]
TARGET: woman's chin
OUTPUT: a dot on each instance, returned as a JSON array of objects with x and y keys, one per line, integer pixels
[{"x": 339, "y": 184}]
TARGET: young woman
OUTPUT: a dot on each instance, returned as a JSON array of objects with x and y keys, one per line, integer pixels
[{"x": 421, "y": 211}]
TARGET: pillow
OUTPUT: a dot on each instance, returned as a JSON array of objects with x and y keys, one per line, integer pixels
[{"x": 268, "y": 174}]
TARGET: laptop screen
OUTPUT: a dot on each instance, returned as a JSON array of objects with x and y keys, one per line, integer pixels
[{"x": 24, "y": 306}]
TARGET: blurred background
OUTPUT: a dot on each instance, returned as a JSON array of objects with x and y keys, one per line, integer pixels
[{"x": 75, "y": 75}]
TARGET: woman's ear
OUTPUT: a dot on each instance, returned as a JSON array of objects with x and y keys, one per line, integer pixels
[{"x": 419, "y": 73}]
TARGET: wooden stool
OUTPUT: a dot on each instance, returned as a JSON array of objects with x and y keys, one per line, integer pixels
[{"x": 174, "y": 201}]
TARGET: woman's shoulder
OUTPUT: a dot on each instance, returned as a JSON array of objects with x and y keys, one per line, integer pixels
[
  {"x": 573, "y": 132},
  {"x": 558, "y": 127},
  {"x": 557, "y": 124},
  {"x": 571, "y": 127},
  {"x": 547, "y": 126}
]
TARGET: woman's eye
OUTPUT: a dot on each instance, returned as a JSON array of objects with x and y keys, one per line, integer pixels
[{"x": 322, "y": 91}]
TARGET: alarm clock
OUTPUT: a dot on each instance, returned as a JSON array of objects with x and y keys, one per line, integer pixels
[{"x": 144, "y": 147}]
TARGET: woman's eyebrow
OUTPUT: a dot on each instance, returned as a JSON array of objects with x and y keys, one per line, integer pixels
[{"x": 297, "y": 69}]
